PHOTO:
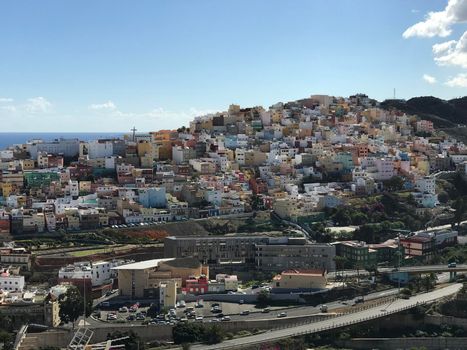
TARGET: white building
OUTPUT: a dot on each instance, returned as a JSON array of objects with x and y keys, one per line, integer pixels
[
  {"x": 10, "y": 282},
  {"x": 426, "y": 185},
  {"x": 98, "y": 272}
]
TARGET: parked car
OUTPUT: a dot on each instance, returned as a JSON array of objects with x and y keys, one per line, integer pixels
[
  {"x": 225, "y": 318},
  {"x": 199, "y": 319},
  {"x": 111, "y": 317},
  {"x": 131, "y": 318},
  {"x": 123, "y": 309},
  {"x": 265, "y": 311}
]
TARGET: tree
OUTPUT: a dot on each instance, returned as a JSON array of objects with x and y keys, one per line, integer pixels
[
  {"x": 133, "y": 342},
  {"x": 7, "y": 340},
  {"x": 263, "y": 299},
  {"x": 429, "y": 282},
  {"x": 184, "y": 333},
  {"x": 213, "y": 335},
  {"x": 72, "y": 305},
  {"x": 460, "y": 205},
  {"x": 395, "y": 183}
]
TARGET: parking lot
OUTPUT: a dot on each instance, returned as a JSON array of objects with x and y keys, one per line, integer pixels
[{"x": 201, "y": 311}]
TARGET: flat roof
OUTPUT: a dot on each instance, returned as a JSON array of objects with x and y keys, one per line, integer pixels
[{"x": 142, "y": 265}]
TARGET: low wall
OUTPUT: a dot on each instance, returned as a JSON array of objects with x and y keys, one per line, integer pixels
[
  {"x": 235, "y": 298},
  {"x": 405, "y": 343}
]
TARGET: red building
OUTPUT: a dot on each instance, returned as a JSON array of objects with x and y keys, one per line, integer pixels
[
  {"x": 418, "y": 247},
  {"x": 4, "y": 222},
  {"x": 196, "y": 285}
]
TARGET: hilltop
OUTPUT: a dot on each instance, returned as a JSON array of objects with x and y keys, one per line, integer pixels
[{"x": 443, "y": 113}]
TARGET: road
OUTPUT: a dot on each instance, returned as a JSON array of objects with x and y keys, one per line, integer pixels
[
  {"x": 336, "y": 322},
  {"x": 425, "y": 269},
  {"x": 233, "y": 310}
]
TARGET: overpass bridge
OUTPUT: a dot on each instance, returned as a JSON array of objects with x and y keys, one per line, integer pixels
[
  {"x": 426, "y": 269},
  {"x": 371, "y": 313}
]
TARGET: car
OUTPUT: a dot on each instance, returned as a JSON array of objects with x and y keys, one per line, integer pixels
[
  {"x": 451, "y": 265},
  {"x": 131, "y": 318},
  {"x": 140, "y": 317},
  {"x": 220, "y": 315},
  {"x": 111, "y": 317},
  {"x": 199, "y": 304},
  {"x": 359, "y": 300},
  {"x": 255, "y": 286},
  {"x": 225, "y": 318},
  {"x": 104, "y": 304},
  {"x": 282, "y": 314},
  {"x": 216, "y": 310},
  {"x": 215, "y": 304},
  {"x": 323, "y": 308},
  {"x": 265, "y": 311},
  {"x": 123, "y": 309},
  {"x": 182, "y": 303},
  {"x": 245, "y": 313},
  {"x": 214, "y": 320},
  {"x": 199, "y": 318}
]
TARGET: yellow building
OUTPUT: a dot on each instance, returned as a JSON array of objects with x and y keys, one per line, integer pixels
[
  {"x": 85, "y": 186},
  {"x": 295, "y": 280},
  {"x": 139, "y": 280},
  {"x": 168, "y": 294},
  {"x": 7, "y": 189},
  {"x": 27, "y": 164}
]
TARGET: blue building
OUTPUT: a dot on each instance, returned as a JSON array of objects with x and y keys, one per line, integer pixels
[{"x": 153, "y": 197}]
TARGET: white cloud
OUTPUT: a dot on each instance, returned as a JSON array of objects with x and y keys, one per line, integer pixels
[
  {"x": 439, "y": 23},
  {"x": 5, "y": 100},
  {"x": 109, "y": 106},
  {"x": 452, "y": 53},
  {"x": 37, "y": 105},
  {"x": 11, "y": 109},
  {"x": 458, "y": 81},
  {"x": 429, "y": 79},
  {"x": 442, "y": 47}
]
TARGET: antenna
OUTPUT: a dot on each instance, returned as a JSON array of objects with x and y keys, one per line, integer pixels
[{"x": 134, "y": 133}]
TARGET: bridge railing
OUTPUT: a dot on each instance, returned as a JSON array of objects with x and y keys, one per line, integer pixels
[{"x": 337, "y": 324}]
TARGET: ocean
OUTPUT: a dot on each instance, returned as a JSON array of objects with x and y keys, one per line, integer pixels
[{"x": 11, "y": 138}]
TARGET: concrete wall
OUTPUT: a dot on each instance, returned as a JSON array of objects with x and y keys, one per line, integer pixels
[
  {"x": 405, "y": 343},
  {"x": 235, "y": 298}
]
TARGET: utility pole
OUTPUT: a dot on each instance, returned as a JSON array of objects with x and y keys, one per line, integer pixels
[{"x": 399, "y": 263}]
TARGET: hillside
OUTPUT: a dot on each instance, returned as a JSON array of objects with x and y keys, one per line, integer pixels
[{"x": 444, "y": 114}]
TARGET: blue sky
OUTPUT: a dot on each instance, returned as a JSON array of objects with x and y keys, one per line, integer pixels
[{"x": 109, "y": 65}]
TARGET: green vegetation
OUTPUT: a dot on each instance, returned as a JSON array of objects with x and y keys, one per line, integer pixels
[
  {"x": 442, "y": 113},
  {"x": 133, "y": 342},
  {"x": 185, "y": 333},
  {"x": 80, "y": 253},
  {"x": 72, "y": 305},
  {"x": 263, "y": 299}
]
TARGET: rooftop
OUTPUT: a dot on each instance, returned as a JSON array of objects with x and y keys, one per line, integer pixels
[{"x": 142, "y": 265}]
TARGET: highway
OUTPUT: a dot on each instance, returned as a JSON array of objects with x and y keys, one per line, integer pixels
[
  {"x": 336, "y": 322},
  {"x": 425, "y": 269}
]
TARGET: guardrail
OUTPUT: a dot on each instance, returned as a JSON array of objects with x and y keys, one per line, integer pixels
[
  {"x": 20, "y": 336},
  {"x": 334, "y": 325}
]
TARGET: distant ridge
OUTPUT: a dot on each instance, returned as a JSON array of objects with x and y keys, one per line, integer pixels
[{"x": 443, "y": 114}]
